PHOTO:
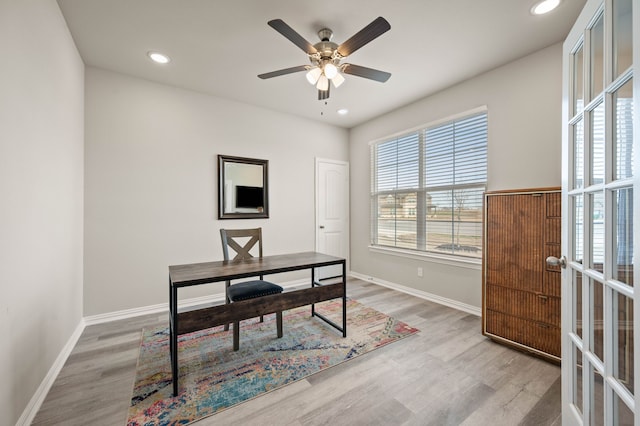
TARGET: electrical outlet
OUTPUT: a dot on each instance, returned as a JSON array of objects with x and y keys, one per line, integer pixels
[{"x": 419, "y": 272}]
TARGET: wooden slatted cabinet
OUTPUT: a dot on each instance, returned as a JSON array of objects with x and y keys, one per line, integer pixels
[{"x": 520, "y": 292}]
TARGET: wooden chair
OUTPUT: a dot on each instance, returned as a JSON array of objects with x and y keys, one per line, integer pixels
[{"x": 231, "y": 238}]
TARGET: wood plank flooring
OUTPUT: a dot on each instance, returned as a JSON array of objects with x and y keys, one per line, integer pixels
[{"x": 448, "y": 374}]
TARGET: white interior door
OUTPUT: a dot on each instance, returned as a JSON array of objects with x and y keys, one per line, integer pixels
[
  {"x": 332, "y": 212},
  {"x": 600, "y": 172}
]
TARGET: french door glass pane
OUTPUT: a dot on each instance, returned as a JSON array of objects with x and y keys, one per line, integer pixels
[
  {"x": 577, "y": 382},
  {"x": 622, "y": 35},
  {"x": 597, "y": 145},
  {"x": 578, "y": 154},
  {"x": 597, "y": 398},
  {"x": 578, "y": 81},
  {"x": 597, "y": 319},
  {"x": 577, "y": 302},
  {"x": 597, "y": 230},
  {"x": 597, "y": 57},
  {"x": 623, "y": 236},
  {"x": 623, "y": 132},
  {"x": 623, "y": 341},
  {"x": 622, "y": 415},
  {"x": 578, "y": 230}
]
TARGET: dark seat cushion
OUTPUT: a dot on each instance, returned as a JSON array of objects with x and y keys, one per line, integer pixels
[{"x": 252, "y": 289}]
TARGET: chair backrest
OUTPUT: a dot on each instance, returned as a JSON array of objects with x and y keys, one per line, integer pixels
[{"x": 242, "y": 250}]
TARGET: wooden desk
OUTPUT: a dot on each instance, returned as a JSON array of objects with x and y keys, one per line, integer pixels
[{"x": 210, "y": 272}]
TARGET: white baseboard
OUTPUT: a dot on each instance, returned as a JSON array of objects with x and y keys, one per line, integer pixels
[
  {"x": 474, "y": 310},
  {"x": 38, "y": 397},
  {"x": 151, "y": 309},
  {"x": 164, "y": 307}
]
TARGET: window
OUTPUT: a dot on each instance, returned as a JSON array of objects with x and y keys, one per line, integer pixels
[{"x": 427, "y": 185}]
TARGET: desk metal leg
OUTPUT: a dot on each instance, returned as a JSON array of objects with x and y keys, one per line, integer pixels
[
  {"x": 344, "y": 299},
  {"x": 313, "y": 284},
  {"x": 173, "y": 336},
  {"x": 343, "y": 329}
]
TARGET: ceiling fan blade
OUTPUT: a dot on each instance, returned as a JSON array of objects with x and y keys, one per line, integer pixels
[
  {"x": 365, "y": 72},
  {"x": 375, "y": 29},
  {"x": 283, "y": 72},
  {"x": 280, "y": 26}
]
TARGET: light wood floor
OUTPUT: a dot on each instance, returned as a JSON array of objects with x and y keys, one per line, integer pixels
[{"x": 448, "y": 374}]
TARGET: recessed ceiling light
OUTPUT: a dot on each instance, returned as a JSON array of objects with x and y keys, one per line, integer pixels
[
  {"x": 544, "y": 6},
  {"x": 158, "y": 58},
  {"x": 343, "y": 111}
]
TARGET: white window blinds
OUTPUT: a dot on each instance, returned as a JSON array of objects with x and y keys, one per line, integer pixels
[{"x": 427, "y": 185}]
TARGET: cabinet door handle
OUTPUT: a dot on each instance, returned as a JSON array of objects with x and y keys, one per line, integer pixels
[{"x": 542, "y": 296}]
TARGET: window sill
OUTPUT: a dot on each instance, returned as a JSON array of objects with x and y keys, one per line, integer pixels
[{"x": 468, "y": 263}]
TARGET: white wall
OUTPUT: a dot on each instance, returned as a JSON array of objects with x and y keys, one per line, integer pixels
[
  {"x": 524, "y": 109},
  {"x": 151, "y": 183},
  {"x": 41, "y": 188}
]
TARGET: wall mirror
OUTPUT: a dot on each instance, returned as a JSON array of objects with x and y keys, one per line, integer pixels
[{"x": 243, "y": 190}]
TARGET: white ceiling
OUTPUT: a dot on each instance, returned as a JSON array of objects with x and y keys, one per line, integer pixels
[{"x": 219, "y": 47}]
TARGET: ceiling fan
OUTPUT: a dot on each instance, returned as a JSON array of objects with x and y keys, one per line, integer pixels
[{"x": 326, "y": 55}]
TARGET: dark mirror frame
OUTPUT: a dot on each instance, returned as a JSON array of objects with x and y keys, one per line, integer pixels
[{"x": 224, "y": 159}]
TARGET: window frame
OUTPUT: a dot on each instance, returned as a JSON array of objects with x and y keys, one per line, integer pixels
[{"x": 472, "y": 262}]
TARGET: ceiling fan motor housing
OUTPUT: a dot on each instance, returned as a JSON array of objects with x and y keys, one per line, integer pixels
[
  {"x": 326, "y": 49},
  {"x": 325, "y": 34}
]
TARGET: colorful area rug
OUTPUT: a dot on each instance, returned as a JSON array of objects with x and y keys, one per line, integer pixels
[{"x": 213, "y": 377}]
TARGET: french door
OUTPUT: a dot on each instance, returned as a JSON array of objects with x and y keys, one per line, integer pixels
[{"x": 600, "y": 176}]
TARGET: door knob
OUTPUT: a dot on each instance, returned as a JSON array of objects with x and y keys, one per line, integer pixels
[
  {"x": 554, "y": 261},
  {"x": 321, "y": 227}
]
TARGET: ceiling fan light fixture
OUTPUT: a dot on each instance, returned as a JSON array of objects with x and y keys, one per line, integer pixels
[
  {"x": 313, "y": 75},
  {"x": 323, "y": 83},
  {"x": 544, "y": 6},
  {"x": 337, "y": 80},
  {"x": 330, "y": 70}
]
